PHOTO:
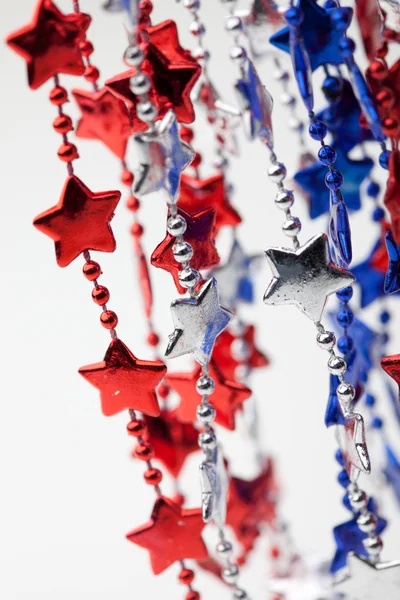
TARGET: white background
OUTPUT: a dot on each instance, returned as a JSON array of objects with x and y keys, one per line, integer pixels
[{"x": 69, "y": 490}]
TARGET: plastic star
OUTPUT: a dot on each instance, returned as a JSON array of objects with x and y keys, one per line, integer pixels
[
  {"x": 354, "y": 447},
  {"x": 260, "y": 20},
  {"x": 50, "y": 43},
  {"x": 172, "y": 534},
  {"x": 104, "y": 118},
  {"x": 392, "y": 471},
  {"x": 392, "y": 195},
  {"x": 322, "y": 48},
  {"x": 333, "y": 414},
  {"x": 305, "y": 277},
  {"x": 214, "y": 488},
  {"x": 228, "y": 396},
  {"x": 80, "y": 221},
  {"x": 197, "y": 194},
  {"x": 257, "y": 105},
  {"x": 391, "y": 364},
  {"x": 312, "y": 181},
  {"x": 369, "y": 17},
  {"x": 223, "y": 353},
  {"x": 125, "y": 381},
  {"x": 366, "y": 341},
  {"x": 392, "y": 82},
  {"x": 200, "y": 234},
  {"x": 163, "y": 156},
  {"x": 368, "y": 581},
  {"x": 172, "y": 71}
]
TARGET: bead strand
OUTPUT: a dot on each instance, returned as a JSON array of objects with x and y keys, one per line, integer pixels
[
  {"x": 92, "y": 73},
  {"x": 100, "y": 294},
  {"x": 62, "y": 124},
  {"x": 289, "y": 100}
]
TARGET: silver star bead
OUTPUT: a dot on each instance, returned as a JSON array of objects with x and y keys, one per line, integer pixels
[
  {"x": 214, "y": 488},
  {"x": 198, "y": 322},
  {"x": 257, "y": 105},
  {"x": 260, "y": 21},
  {"x": 228, "y": 119},
  {"x": 305, "y": 277},
  {"x": 352, "y": 442},
  {"x": 163, "y": 156},
  {"x": 370, "y": 581}
]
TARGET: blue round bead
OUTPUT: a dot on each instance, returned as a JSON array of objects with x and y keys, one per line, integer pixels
[
  {"x": 332, "y": 88},
  {"x": 341, "y": 18},
  {"x": 343, "y": 479},
  {"x": 384, "y": 159},
  {"x": 327, "y": 155},
  {"x": 318, "y": 130},
  {"x": 377, "y": 423},
  {"x": 384, "y": 316},
  {"x": 334, "y": 179},
  {"x": 294, "y": 16},
  {"x": 373, "y": 189},
  {"x": 385, "y": 338},
  {"x": 378, "y": 214},
  {"x": 345, "y": 295},
  {"x": 363, "y": 377},
  {"x": 345, "y": 344},
  {"x": 347, "y": 46},
  {"x": 370, "y": 400},
  {"x": 345, "y": 317},
  {"x": 346, "y": 502},
  {"x": 339, "y": 457}
]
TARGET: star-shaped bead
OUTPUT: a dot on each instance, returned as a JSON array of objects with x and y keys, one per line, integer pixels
[
  {"x": 80, "y": 221},
  {"x": 125, "y": 381},
  {"x": 50, "y": 43},
  {"x": 163, "y": 156},
  {"x": 392, "y": 194},
  {"x": 214, "y": 488},
  {"x": 392, "y": 279},
  {"x": 224, "y": 352},
  {"x": 366, "y": 341},
  {"x": 198, "y": 322},
  {"x": 322, "y": 48},
  {"x": 261, "y": 19},
  {"x": 172, "y": 534},
  {"x": 227, "y": 398},
  {"x": 197, "y": 194},
  {"x": 391, "y": 364},
  {"x": 369, "y": 581},
  {"x": 333, "y": 413},
  {"x": 392, "y": 471},
  {"x": 200, "y": 234},
  {"x": 369, "y": 17},
  {"x": 392, "y": 83},
  {"x": 173, "y": 73},
  {"x": 104, "y": 118},
  {"x": 312, "y": 181},
  {"x": 257, "y": 105},
  {"x": 171, "y": 439},
  {"x": 305, "y": 277},
  {"x": 354, "y": 447}
]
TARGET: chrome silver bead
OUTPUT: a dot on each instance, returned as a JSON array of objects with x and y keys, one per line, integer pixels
[
  {"x": 205, "y": 385},
  {"x": 358, "y": 499},
  {"x": 367, "y": 522},
  {"x": 291, "y": 227},
  {"x": 326, "y": 340},
  {"x": 191, "y": 4},
  {"x": 134, "y": 56},
  {"x": 221, "y": 163},
  {"x": 182, "y": 251},
  {"x": 337, "y": 365},
  {"x": 280, "y": 75},
  {"x": 201, "y": 54},
  {"x": 295, "y": 124},
  {"x": 189, "y": 278},
  {"x": 139, "y": 84},
  {"x": 233, "y": 25},
  {"x": 277, "y": 172},
  {"x": 207, "y": 440},
  {"x": 224, "y": 549},
  {"x": 240, "y": 594},
  {"x": 205, "y": 413},
  {"x": 345, "y": 392},
  {"x": 230, "y": 574},
  {"x": 288, "y": 99},
  {"x": 238, "y": 54},
  {"x": 146, "y": 111},
  {"x": 176, "y": 225},
  {"x": 373, "y": 545},
  {"x": 284, "y": 199},
  {"x": 197, "y": 29}
]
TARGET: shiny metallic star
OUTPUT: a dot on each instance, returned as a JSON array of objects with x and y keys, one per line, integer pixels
[
  {"x": 228, "y": 119},
  {"x": 368, "y": 581},
  {"x": 354, "y": 447},
  {"x": 214, "y": 488},
  {"x": 305, "y": 277},
  {"x": 257, "y": 105},
  {"x": 163, "y": 156},
  {"x": 198, "y": 322}
]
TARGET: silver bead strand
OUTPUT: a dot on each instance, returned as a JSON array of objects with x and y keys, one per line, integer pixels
[
  {"x": 289, "y": 100},
  {"x": 284, "y": 200}
]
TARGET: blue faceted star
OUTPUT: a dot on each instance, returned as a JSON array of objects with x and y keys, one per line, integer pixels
[
  {"x": 365, "y": 340},
  {"x": 392, "y": 471},
  {"x": 321, "y": 39},
  {"x": 333, "y": 414},
  {"x": 392, "y": 280},
  {"x": 343, "y": 120},
  {"x": 349, "y": 538},
  {"x": 312, "y": 180}
]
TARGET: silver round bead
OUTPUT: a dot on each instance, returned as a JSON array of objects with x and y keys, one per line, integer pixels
[
  {"x": 176, "y": 225},
  {"x": 291, "y": 227},
  {"x": 295, "y": 124},
  {"x": 326, "y": 340},
  {"x": 240, "y": 349},
  {"x": 367, "y": 522},
  {"x": 146, "y": 111},
  {"x": 188, "y": 278},
  {"x": 230, "y": 574},
  {"x": 373, "y": 545},
  {"x": 284, "y": 199},
  {"x": 277, "y": 172},
  {"x": 337, "y": 365},
  {"x": 205, "y": 413},
  {"x": 207, "y": 440},
  {"x": 288, "y": 99},
  {"x": 358, "y": 499},
  {"x": 134, "y": 56},
  {"x": 197, "y": 29},
  {"x": 205, "y": 385},
  {"x": 221, "y": 163},
  {"x": 224, "y": 549},
  {"x": 182, "y": 251},
  {"x": 139, "y": 84},
  {"x": 240, "y": 594},
  {"x": 238, "y": 54},
  {"x": 233, "y": 25},
  {"x": 280, "y": 75},
  {"x": 201, "y": 54},
  {"x": 345, "y": 392},
  {"x": 191, "y": 4}
]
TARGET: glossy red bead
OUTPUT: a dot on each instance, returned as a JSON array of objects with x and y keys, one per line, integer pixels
[
  {"x": 385, "y": 98},
  {"x": 58, "y": 96},
  {"x": 137, "y": 230},
  {"x": 109, "y": 319},
  {"x": 91, "y": 73},
  {"x": 186, "y": 134},
  {"x": 153, "y": 339},
  {"x": 86, "y": 48},
  {"x": 377, "y": 69},
  {"x": 91, "y": 270},
  {"x": 68, "y": 152},
  {"x": 144, "y": 451},
  {"x": 136, "y": 428},
  {"x": 192, "y": 595},
  {"x": 163, "y": 391},
  {"x": 153, "y": 476},
  {"x": 146, "y": 7},
  {"x": 390, "y": 126},
  {"x": 196, "y": 161},
  {"x": 127, "y": 177},
  {"x": 186, "y": 576},
  {"x": 100, "y": 295},
  {"x": 132, "y": 203},
  {"x": 63, "y": 124}
]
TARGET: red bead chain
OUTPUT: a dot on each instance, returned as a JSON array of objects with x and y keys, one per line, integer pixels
[{"x": 62, "y": 124}]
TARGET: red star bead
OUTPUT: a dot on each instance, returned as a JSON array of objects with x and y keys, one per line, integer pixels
[
  {"x": 370, "y": 22},
  {"x": 222, "y": 353},
  {"x": 391, "y": 86},
  {"x": 172, "y": 440},
  {"x": 227, "y": 398},
  {"x": 172, "y": 71},
  {"x": 172, "y": 534},
  {"x": 391, "y": 364},
  {"x": 198, "y": 194},
  {"x": 392, "y": 195},
  {"x": 125, "y": 381},
  {"x": 200, "y": 233},
  {"x": 80, "y": 221},
  {"x": 104, "y": 118},
  {"x": 50, "y": 43}
]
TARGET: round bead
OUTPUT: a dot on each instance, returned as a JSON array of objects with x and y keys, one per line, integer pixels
[
  {"x": 127, "y": 177},
  {"x": 137, "y": 230},
  {"x": 339, "y": 457},
  {"x": 332, "y": 88},
  {"x": 205, "y": 385},
  {"x": 201, "y": 54},
  {"x": 382, "y": 50},
  {"x": 284, "y": 199},
  {"x": 343, "y": 479},
  {"x": 233, "y": 25},
  {"x": 100, "y": 295},
  {"x": 144, "y": 451},
  {"x": 139, "y": 84},
  {"x": 346, "y": 46},
  {"x": 207, "y": 440},
  {"x": 146, "y": 7},
  {"x": 68, "y": 152},
  {"x": 373, "y": 189},
  {"x": 163, "y": 391},
  {"x": 191, "y": 4},
  {"x": 135, "y": 428},
  {"x": 345, "y": 392},
  {"x": 358, "y": 499},
  {"x": 152, "y": 476},
  {"x": 377, "y": 423},
  {"x": 345, "y": 294},
  {"x": 334, "y": 179},
  {"x": 377, "y": 69},
  {"x": 378, "y": 214},
  {"x": 390, "y": 126},
  {"x": 146, "y": 111},
  {"x": 186, "y": 576},
  {"x": 318, "y": 130},
  {"x": 196, "y": 162},
  {"x": 91, "y": 73},
  {"x": 293, "y": 16},
  {"x": 291, "y": 227},
  {"x": 295, "y": 124},
  {"x": 288, "y": 99},
  {"x": 86, "y": 48},
  {"x": 192, "y": 595},
  {"x": 224, "y": 549},
  {"x": 153, "y": 339},
  {"x": 186, "y": 134},
  {"x": 341, "y": 18},
  {"x": 327, "y": 155},
  {"x": 280, "y": 75},
  {"x": 63, "y": 124},
  {"x": 240, "y": 594},
  {"x": 345, "y": 344},
  {"x": 373, "y": 545},
  {"x": 133, "y": 56},
  {"x": 182, "y": 251},
  {"x": 133, "y": 203},
  {"x": 326, "y": 340},
  {"x": 230, "y": 574},
  {"x": 205, "y": 413},
  {"x": 277, "y": 172},
  {"x": 385, "y": 98},
  {"x": 109, "y": 319},
  {"x": 176, "y": 225},
  {"x": 345, "y": 317},
  {"x": 238, "y": 54},
  {"x": 384, "y": 159},
  {"x": 336, "y": 365},
  {"x": 367, "y": 522},
  {"x": 384, "y": 317},
  {"x": 197, "y": 29},
  {"x": 370, "y": 400},
  {"x": 58, "y": 96},
  {"x": 91, "y": 270},
  {"x": 189, "y": 278}
]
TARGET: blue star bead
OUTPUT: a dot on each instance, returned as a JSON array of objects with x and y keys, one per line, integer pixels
[
  {"x": 333, "y": 414},
  {"x": 312, "y": 181},
  {"x": 365, "y": 340},
  {"x": 392, "y": 279},
  {"x": 392, "y": 471},
  {"x": 321, "y": 39},
  {"x": 343, "y": 120},
  {"x": 349, "y": 538}
]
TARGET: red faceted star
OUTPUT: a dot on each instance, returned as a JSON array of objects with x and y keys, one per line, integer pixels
[
  {"x": 104, "y": 118},
  {"x": 391, "y": 364},
  {"x": 200, "y": 234},
  {"x": 222, "y": 353},
  {"x": 227, "y": 398},
  {"x": 80, "y": 221},
  {"x": 392, "y": 195},
  {"x": 50, "y": 43},
  {"x": 392, "y": 83},
  {"x": 198, "y": 194},
  {"x": 173, "y": 73},
  {"x": 172, "y": 440},
  {"x": 125, "y": 381},
  {"x": 369, "y": 17},
  {"x": 172, "y": 534}
]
